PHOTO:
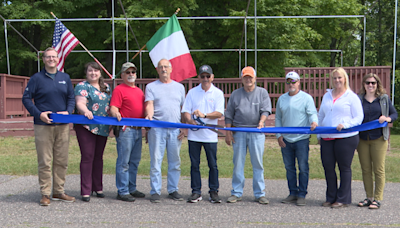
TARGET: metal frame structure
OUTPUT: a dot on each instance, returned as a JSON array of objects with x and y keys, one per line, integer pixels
[{"x": 255, "y": 50}]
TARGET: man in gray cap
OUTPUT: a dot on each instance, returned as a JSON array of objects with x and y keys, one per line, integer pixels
[
  {"x": 206, "y": 103},
  {"x": 295, "y": 109},
  {"x": 127, "y": 101}
]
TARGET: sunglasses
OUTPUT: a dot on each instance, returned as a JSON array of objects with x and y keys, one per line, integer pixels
[
  {"x": 203, "y": 76},
  {"x": 291, "y": 82},
  {"x": 367, "y": 83},
  {"x": 130, "y": 72}
]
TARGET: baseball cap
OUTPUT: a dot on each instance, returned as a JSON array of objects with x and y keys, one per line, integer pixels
[
  {"x": 249, "y": 71},
  {"x": 127, "y": 65},
  {"x": 293, "y": 75},
  {"x": 205, "y": 69}
]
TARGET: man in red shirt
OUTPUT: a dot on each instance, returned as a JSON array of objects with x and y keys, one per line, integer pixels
[{"x": 127, "y": 101}]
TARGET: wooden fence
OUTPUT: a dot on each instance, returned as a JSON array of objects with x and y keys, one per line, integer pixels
[{"x": 314, "y": 81}]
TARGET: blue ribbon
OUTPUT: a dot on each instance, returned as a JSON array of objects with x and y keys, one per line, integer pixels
[{"x": 80, "y": 119}]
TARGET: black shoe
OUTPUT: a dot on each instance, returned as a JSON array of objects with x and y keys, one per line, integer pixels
[
  {"x": 127, "y": 198},
  {"x": 175, "y": 196},
  {"x": 155, "y": 198},
  {"x": 85, "y": 198},
  {"x": 100, "y": 195},
  {"x": 194, "y": 198},
  {"x": 137, "y": 194},
  {"x": 214, "y": 198}
]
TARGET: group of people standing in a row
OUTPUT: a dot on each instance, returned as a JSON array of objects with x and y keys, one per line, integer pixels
[
  {"x": 51, "y": 91},
  {"x": 340, "y": 108}
]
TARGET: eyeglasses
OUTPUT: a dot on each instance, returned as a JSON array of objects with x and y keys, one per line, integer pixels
[
  {"x": 50, "y": 57},
  {"x": 162, "y": 67},
  {"x": 367, "y": 83},
  {"x": 203, "y": 76},
  {"x": 291, "y": 82},
  {"x": 130, "y": 72}
]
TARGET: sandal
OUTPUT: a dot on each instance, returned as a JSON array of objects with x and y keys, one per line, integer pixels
[
  {"x": 365, "y": 203},
  {"x": 375, "y": 205}
]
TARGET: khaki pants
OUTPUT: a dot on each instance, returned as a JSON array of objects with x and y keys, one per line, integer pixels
[
  {"x": 52, "y": 143},
  {"x": 372, "y": 154}
]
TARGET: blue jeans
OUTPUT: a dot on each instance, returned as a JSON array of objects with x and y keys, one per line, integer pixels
[
  {"x": 159, "y": 140},
  {"x": 255, "y": 143},
  {"x": 297, "y": 150},
  {"x": 129, "y": 148},
  {"x": 195, "y": 177}
]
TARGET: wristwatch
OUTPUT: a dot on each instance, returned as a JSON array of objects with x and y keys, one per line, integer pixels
[{"x": 205, "y": 115}]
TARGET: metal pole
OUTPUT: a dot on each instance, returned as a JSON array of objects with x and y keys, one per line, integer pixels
[
  {"x": 341, "y": 58},
  {"x": 255, "y": 35},
  {"x": 245, "y": 42},
  {"x": 8, "y": 57},
  {"x": 188, "y": 18},
  {"x": 394, "y": 53},
  {"x": 240, "y": 62},
  {"x": 141, "y": 65},
  {"x": 127, "y": 43},
  {"x": 38, "y": 61},
  {"x": 365, "y": 29},
  {"x": 113, "y": 41}
]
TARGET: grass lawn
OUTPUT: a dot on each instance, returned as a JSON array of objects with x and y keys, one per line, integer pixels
[{"x": 18, "y": 157}]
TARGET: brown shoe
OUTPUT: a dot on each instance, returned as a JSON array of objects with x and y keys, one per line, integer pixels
[
  {"x": 338, "y": 205},
  {"x": 63, "y": 197},
  {"x": 326, "y": 204},
  {"x": 45, "y": 201}
]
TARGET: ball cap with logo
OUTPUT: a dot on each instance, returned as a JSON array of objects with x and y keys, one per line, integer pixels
[
  {"x": 205, "y": 69},
  {"x": 127, "y": 65},
  {"x": 293, "y": 75},
  {"x": 249, "y": 71}
]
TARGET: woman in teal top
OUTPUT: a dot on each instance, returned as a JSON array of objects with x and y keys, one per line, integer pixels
[{"x": 92, "y": 99}]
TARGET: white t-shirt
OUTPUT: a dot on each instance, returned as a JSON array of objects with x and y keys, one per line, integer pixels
[{"x": 207, "y": 102}]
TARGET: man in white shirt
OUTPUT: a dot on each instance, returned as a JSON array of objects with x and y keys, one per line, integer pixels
[{"x": 206, "y": 103}]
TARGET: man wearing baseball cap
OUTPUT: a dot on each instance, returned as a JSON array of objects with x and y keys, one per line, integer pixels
[
  {"x": 207, "y": 103},
  {"x": 295, "y": 109},
  {"x": 248, "y": 107},
  {"x": 127, "y": 101}
]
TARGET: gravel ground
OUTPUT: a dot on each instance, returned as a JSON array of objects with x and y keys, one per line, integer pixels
[{"x": 19, "y": 207}]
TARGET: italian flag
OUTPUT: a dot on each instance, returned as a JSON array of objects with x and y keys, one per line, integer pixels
[{"x": 169, "y": 43}]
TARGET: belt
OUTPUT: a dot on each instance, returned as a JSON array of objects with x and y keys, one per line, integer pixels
[{"x": 133, "y": 127}]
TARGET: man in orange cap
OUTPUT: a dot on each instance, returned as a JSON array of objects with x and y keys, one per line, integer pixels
[{"x": 248, "y": 107}]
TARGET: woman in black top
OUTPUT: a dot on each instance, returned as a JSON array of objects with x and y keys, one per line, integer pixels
[{"x": 373, "y": 143}]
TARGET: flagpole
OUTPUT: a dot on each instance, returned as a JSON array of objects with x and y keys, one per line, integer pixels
[
  {"x": 94, "y": 58},
  {"x": 97, "y": 61},
  {"x": 141, "y": 49}
]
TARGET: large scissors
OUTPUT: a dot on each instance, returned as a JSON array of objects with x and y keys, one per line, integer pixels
[{"x": 201, "y": 123}]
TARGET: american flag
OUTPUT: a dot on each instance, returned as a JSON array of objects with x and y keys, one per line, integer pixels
[{"x": 64, "y": 42}]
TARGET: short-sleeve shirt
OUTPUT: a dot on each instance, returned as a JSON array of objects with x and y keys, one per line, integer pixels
[
  {"x": 97, "y": 102},
  {"x": 206, "y": 101},
  {"x": 129, "y": 101},
  {"x": 168, "y": 99}
]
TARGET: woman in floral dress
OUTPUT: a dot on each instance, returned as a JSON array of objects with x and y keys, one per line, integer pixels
[{"x": 92, "y": 99}]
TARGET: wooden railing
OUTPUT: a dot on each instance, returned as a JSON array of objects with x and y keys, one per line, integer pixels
[
  {"x": 314, "y": 81},
  {"x": 11, "y": 89}
]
